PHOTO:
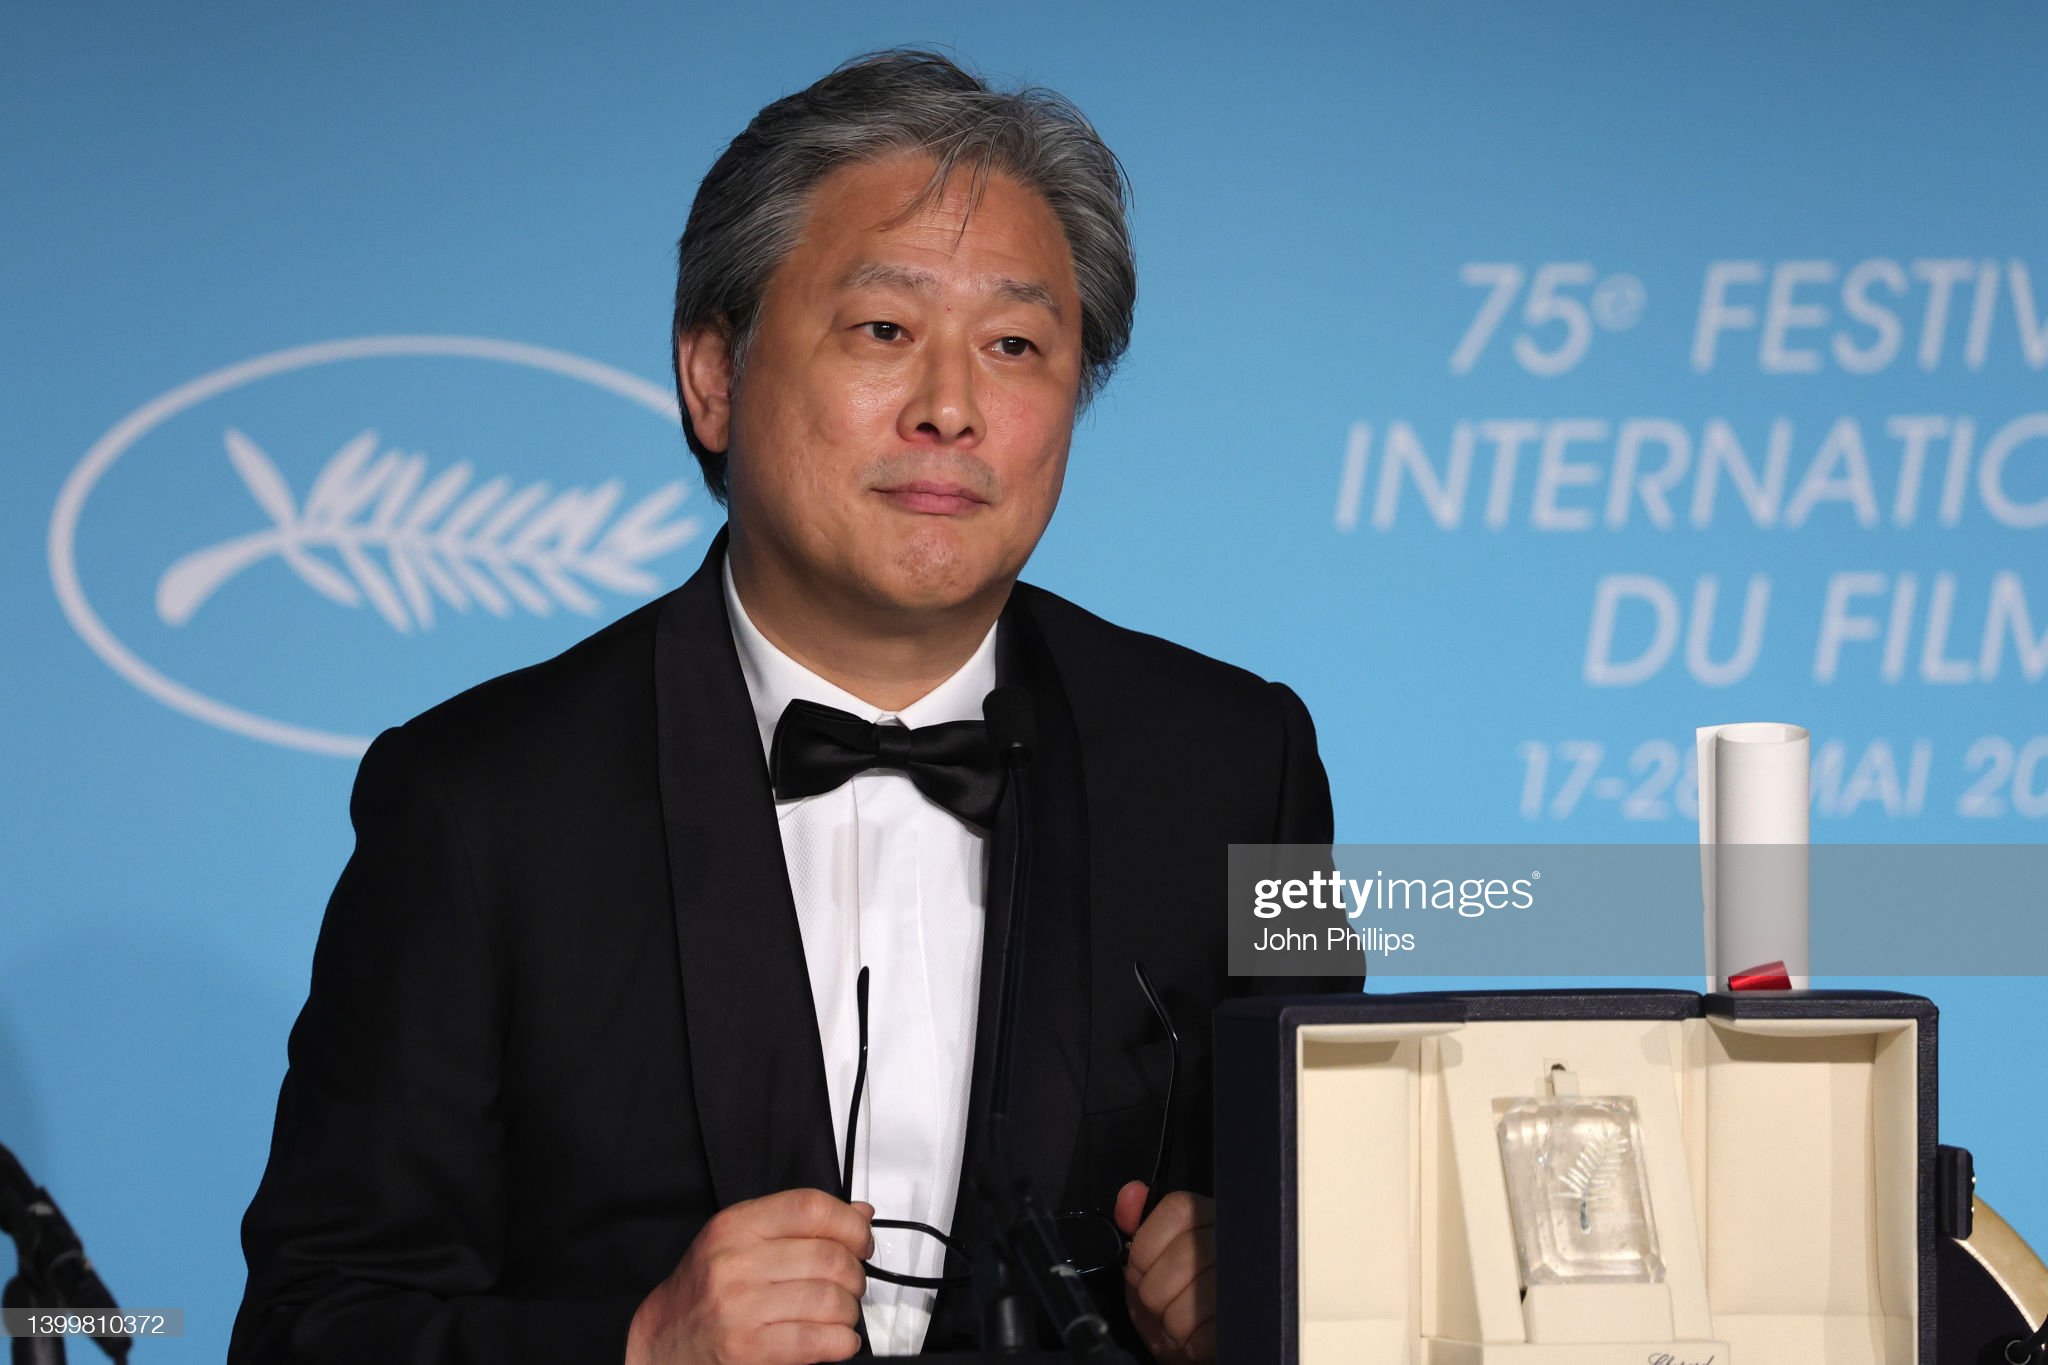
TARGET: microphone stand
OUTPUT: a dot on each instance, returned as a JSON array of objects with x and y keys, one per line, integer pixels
[
  {"x": 53, "y": 1273},
  {"x": 1026, "y": 1245},
  {"x": 2025, "y": 1350}
]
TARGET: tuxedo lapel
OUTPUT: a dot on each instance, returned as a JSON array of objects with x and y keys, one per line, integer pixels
[
  {"x": 1049, "y": 1053},
  {"x": 756, "y": 1066}
]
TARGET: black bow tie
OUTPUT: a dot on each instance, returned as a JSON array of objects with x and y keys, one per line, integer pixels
[{"x": 818, "y": 747}]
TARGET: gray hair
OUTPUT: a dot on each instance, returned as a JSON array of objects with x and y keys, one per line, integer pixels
[{"x": 751, "y": 207}]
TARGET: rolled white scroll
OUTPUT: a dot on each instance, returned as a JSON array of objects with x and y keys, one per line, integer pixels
[{"x": 1753, "y": 849}]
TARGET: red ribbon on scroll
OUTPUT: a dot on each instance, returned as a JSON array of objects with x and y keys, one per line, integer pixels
[{"x": 1771, "y": 976}]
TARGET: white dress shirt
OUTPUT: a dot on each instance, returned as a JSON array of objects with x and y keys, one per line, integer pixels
[{"x": 885, "y": 878}]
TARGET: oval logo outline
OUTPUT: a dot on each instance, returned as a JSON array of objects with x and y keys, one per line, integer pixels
[{"x": 93, "y": 466}]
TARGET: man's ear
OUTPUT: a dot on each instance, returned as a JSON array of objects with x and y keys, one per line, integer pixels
[{"x": 704, "y": 366}]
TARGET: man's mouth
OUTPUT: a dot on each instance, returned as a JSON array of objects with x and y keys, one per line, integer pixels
[{"x": 935, "y": 497}]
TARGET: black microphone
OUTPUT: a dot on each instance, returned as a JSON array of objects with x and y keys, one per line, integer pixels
[
  {"x": 1013, "y": 732},
  {"x": 54, "y": 1272},
  {"x": 1029, "y": 1241},
  {"x": 1012, "y": 725}
]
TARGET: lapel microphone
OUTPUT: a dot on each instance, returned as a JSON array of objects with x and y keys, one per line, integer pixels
[
  {"x": 1027, "y": 1245},
  {"x": 1012, "y": 725}
]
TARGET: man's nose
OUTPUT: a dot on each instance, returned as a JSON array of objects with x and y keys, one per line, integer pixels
[{"x": 943, "y": 406}]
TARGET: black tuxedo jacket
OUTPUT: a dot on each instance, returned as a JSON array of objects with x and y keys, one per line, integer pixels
[{"x": 559, "y": 1014}]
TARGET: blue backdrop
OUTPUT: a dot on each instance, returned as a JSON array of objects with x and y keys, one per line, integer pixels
[{"x": 1524, "y": 383}]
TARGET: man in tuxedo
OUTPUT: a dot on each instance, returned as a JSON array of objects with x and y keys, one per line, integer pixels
[{"x": 664, "y": 974}]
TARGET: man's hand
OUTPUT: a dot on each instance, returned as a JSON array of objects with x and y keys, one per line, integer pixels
[
  {"x": 771, "y": 1281},
  {"x": 1170, "y": 1280}
]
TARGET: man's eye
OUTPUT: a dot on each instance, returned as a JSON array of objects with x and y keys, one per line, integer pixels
[
  {"x": 884, "y": 331},
  {"x": 1015, "y": 346}
]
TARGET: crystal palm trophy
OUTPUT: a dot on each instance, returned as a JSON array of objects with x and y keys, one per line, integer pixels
[{"x": 1579, "y": 1191}]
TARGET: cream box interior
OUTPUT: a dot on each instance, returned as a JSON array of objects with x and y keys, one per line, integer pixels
[{"x": 1784, "y": 1155}]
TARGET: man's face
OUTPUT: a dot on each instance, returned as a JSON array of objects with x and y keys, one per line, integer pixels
[{"x": 900, "y": 430}]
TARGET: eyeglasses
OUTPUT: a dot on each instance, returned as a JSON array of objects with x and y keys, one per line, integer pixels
[{"x": 1091, "y": 1241}]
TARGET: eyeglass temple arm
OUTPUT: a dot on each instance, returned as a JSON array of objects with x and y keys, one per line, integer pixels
[
  {"x": 1153, "y": 1191},
  {"x": 860, "y": 1080}
]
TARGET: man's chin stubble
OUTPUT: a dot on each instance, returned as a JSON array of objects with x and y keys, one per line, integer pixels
[{"x": 931, "y": 570}]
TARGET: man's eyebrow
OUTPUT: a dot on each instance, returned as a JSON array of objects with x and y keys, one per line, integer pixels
[
  {"x": 1029, "y": 291},
  {"x": 880, "y": 275},
  {"x": 877, "y": 275}
]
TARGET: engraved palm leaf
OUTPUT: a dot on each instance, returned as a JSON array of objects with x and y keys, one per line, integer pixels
[
  {"x": 401, "y": 541},
  {"x": 1596, "y": 1166}
]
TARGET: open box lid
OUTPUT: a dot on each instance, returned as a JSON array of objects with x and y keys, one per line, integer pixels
[{"x": 1793, "y": 1138}]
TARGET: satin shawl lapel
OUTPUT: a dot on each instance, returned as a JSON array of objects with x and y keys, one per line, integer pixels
[
  {"x": 1050, "y": 1054},
  {"x": 755, "y": 1061}
]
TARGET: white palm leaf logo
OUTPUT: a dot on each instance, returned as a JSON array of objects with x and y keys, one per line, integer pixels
[{"x": 531, "y": 549}]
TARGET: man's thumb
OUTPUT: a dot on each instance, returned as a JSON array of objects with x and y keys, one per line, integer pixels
[{"x": 1130, "y": 1207}]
